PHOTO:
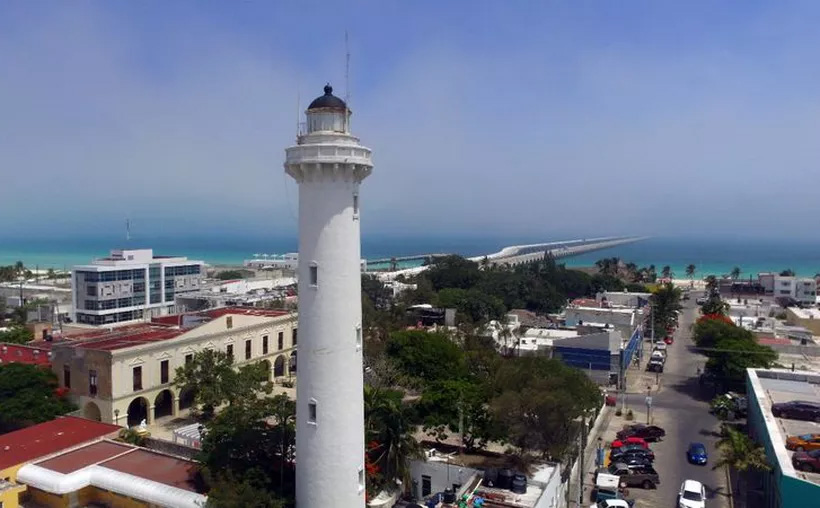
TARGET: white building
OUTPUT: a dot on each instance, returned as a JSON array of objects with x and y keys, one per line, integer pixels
[
  {"x": 328, "y": 163},
  {"x": 802, "y": 289},
  {"x": 131, "y": 285}
]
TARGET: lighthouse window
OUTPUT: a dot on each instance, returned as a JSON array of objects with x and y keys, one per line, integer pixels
[
  {"x": 314, "y": 275},
  {"x": 355, "y": 206},
  {"x": 359, "y": 338},
  {"x": 312, "y": 412},
  {"x": 361, "y": 479}
]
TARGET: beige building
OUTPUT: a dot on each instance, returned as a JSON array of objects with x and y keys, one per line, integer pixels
[{"x": 125, "y": 375}]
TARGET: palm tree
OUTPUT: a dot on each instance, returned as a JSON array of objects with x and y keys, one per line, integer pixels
[
  {"x": 666, "y": 272},
  {"x": 735, "y": 273},
  {"x": 690, "y": 271},
  {"x": 651, "y": 273},
  {"x": 711, "y": 284},
  {"x": 632, "y": 272},
  {"x": 604, "y": 266},
  {"x": 739, "y": 452},
  {"x": 389, "y": 429},
  {"x": 788, "y": 272}
]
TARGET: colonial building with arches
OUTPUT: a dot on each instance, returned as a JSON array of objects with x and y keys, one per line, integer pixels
[{"x": 125, "y": 375}]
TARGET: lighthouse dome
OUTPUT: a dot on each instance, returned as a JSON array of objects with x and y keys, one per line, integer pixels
[{"x": 328, "y": 100}]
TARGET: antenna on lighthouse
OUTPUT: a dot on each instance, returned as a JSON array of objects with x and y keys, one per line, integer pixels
[{"x": 347, "y": 71}]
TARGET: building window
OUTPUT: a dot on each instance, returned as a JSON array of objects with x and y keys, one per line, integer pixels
[
  {"x": 163, "y": 372},
  {"x": 358, "y": 337},
  {"x": 66, "y": 376},
  {"x": 229, "y": 322},
  {"x": 137, "y": 379},
  {"x": 247, "y": 349},
  {"x": 294, "y": 336},
  {"x": 314, "y": 275},
  {"x": 264, "y": 344},
  {"x": 230, "y": 352},
  {"x": 280, "y": 341},
  {"x": 91, "y": 290},
  {"x": 312, "y": 412},
  {"x": 92, "y": 382},
  {"x": 189, "y": 358},
  {"x": 355, "y": 205},
  {"x": 361, "y": 480}
]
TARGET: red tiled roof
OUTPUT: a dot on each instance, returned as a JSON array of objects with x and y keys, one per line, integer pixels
[
  {"x": 585, "y": 302},
  {"x": 75, "y": 460},
  {"x": 129, "y": 336},
  {"x": 242, "y": 311},
  {"x": 19, "y": 353},
  {"x": 157, "y": 467},
  {"x": 50, "y": 437}
]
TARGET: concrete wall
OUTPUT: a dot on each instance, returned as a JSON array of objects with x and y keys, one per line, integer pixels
[
  {"x": 441, "y": 475},
  {"x": 810, "y": 324}
]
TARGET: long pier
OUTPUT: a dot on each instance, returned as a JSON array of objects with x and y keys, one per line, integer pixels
[{"x": 521, "y": 254}]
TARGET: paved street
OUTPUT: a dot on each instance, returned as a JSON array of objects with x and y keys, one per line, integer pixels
[{"x": 678, "y": 407}]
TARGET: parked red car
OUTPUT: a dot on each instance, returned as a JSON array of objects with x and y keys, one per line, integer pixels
[
  {"x": 669, "y": 339},
  {"x": 629, "y": 441}
]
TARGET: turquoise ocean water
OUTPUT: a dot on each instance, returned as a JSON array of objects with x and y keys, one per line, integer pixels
[{"x": 709, "y": 255}]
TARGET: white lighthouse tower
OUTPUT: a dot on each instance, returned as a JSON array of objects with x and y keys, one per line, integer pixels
[{"x": 328, "y": 163}]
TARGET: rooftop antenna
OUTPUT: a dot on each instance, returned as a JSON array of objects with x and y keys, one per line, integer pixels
[
  {"x": 347, "y": 82},
  {"x": 127, "y": 230},
  {"x": 347, "y": 70},
  {"x": 298, "y": 113}
]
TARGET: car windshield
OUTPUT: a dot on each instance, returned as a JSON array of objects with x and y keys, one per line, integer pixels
[
  {"x": 815, "y": 454},
  {"x": 805, "y": 437},
  {"x": 698, "y": 449},
  {"x": 692, "y": 495}
]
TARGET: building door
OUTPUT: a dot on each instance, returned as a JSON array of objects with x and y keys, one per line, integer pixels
[{"x": 426, "y": 486}]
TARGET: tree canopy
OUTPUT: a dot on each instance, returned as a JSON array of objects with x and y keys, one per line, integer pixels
[
  {"x": 16, "y": 335},
  {"x": 28, "y": 395},
  {"x": 730, "y": 350},
  {"x": 214, "y": 381},
  {"x": 537, "y": 401}
]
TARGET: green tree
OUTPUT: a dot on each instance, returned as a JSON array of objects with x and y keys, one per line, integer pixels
[
  {"x": 537, "y": 402},
  {"x": 233, "y": 274},
  {"x": 389, "y": 432},
  {"x": 788, "y": 272},
  {"x": 50, "y": 274},
  {"x": 254, "y": 438},
  {"x": 29, "y": 395},
  {"x": 476, "y": 306},
  {"x": 17, "y": 335},
  {"x": 453, "y": 272},
  {"x": 739, "y": 452},
  {"x": 214, "y": 381},
  {"x": 735, "y": 274},
  {"x": 426, "y": 357},
  {"x": 665, "y": 302},
  {"x": 690, "y": 271},
  {"x": 731, "y": 350},
  {"x": 229, "y": 491},
  {"x": 448, "y": 405},
  {"x": 666, "y": 272}
]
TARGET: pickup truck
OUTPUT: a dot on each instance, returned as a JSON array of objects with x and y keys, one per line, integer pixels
[{"x": 643, "y": 476}]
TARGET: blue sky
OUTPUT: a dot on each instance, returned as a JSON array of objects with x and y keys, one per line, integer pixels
[{"x": 486, "y": 118}]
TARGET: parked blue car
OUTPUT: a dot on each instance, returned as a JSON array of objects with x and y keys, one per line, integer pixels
[{"x": 696, "y": 454}]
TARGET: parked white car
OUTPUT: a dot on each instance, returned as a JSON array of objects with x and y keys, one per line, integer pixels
[
  {"x": 692, "y": 495},
  {"x": 659, "y": 345}
]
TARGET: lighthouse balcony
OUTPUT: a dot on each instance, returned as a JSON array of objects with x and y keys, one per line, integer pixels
[{"x": 328, "y": 153}]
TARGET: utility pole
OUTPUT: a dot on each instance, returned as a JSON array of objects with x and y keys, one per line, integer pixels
[
  {"x": 582, "y": 437},
  {"x": 648, "y": 403}
]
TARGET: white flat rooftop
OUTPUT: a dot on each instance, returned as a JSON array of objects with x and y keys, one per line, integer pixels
[{"x": 811, "y": 313}]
